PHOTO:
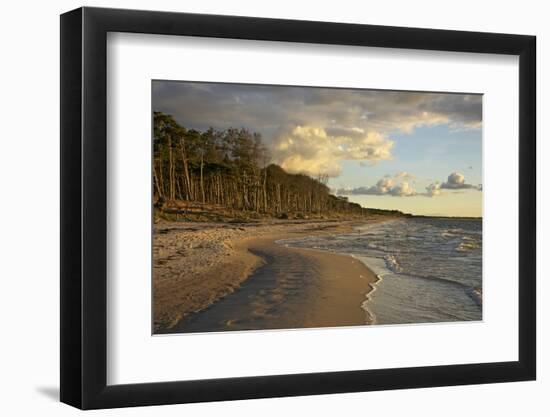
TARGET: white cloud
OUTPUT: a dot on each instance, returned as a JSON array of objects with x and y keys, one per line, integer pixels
[
  {"x": 405, "y": 175},
  {"x": 403, "y": 189},
  {"x": 335, "y": 124},
  {"x": 456, "y": 181},
  {"x": 433, "y": 190},
  {"x": 398, "y": 185},
  {"x": 395, "y": 186},
  {"x": 311, "y": 150}
]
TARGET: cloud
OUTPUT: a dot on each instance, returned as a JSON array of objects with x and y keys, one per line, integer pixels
[
  {"x": 311, "y": 150},
  {"x": 403, "y": 189},
  {"x": 456, "y": 181},
  {"x": 342, "y": 112},
  {"x": 394, "y": 186},
  {"x": 433, "y": 190},
  {"x": 405, "y": 175},
  {"x": 398, "y": 185},
  {"x": 353, "y": 124}
]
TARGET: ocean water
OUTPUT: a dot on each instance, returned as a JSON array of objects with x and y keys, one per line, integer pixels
[{"x": 429, "y": 269}]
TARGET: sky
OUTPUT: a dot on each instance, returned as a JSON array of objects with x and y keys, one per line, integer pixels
[{"x": 418, "y": 152}]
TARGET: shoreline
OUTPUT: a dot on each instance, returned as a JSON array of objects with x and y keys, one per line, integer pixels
[
  {"x": 293, "y": 288},
  {"x": 198, "y": 266},
  {"x": 373, "y": 278}
]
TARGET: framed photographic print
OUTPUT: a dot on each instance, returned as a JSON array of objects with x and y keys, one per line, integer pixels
[{"x": 256, "y": 208}]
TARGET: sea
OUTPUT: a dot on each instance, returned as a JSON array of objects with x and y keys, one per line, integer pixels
[{"x": 429, "y": 268}]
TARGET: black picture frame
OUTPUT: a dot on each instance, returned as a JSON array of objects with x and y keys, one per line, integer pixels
[{"x": 84, "y": 207}]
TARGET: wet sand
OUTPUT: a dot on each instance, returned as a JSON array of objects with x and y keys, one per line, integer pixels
[
  {"x": 195, "y": 264},
  {"x": 200, "y": 268},
  {"x": 288, "y": 288}
]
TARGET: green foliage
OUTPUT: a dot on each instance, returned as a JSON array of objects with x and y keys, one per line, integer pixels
[{"x": 229, "y": 168}]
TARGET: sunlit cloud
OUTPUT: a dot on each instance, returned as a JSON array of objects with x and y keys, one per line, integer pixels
[
  {"x": 311, "y": 150},
  {"x": 333, "y": 125},
  {"x": 456, "y": 181},
  {"x": 396, "y": 186},
  {"x": 399, "y": 185},
  {"x": 405, "y": 175},
  {"x": 434, "y": 189}
]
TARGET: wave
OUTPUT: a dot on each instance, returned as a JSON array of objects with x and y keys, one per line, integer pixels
[
  {"x": 371, "y": 316},
  {"x": 468, "y": 244},
  {"x": 476, "y": 294},
  {"x": 392, "y": 263},
  {"x": 425, "y": 272},
  {"x": 386, "y": 272}
]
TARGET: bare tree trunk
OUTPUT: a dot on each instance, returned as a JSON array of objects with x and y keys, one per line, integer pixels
[
  {"x": 265, "y": 190},
  {"x": 171, "y": 169},
  {"x": 185, "y": 169},
  {"x": 156, "y": 180},
  {"x": 161, "y": 177},
  {"x": 202, "y": 179},
  {"x": 178, "y": 189}
]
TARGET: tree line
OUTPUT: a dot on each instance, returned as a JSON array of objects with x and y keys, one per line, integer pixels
[{"x": 232, "y": 168}]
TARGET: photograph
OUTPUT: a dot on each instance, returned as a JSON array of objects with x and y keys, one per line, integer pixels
[
  {"x": 273, "y": 206},
  {"x": 291, "y": 207}
]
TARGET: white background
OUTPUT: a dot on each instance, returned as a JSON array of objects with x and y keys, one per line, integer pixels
[
  {"x": 135, "y": 357},
  {"x": 29, "y": 211}
]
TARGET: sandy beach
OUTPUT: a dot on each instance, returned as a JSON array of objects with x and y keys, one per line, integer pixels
[
  {"x": 234, "y": 276},
  {"x": 236, "y": 168}
]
